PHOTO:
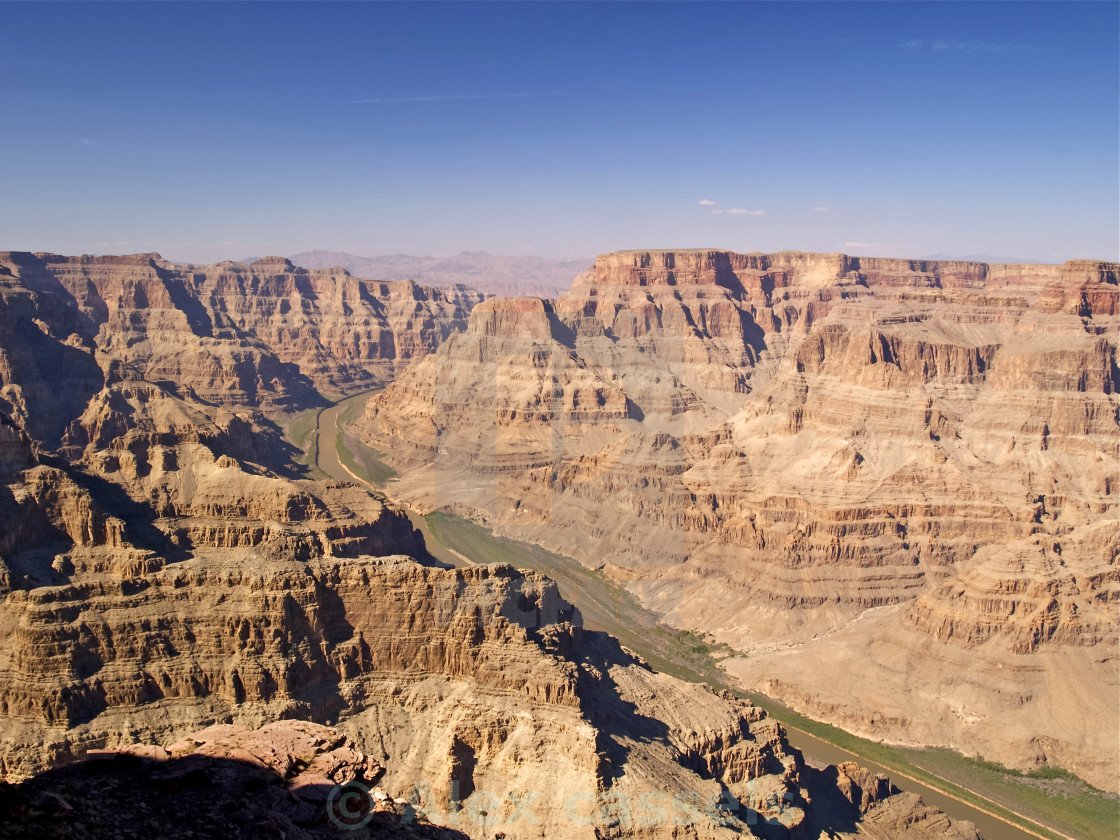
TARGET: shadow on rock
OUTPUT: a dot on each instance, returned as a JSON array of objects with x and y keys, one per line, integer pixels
[{"x": 244, "y": 791}]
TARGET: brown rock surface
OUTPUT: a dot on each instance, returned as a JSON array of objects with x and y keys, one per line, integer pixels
[
  {"x": 159, "y": 572},
  {"x": 224, "y": 781},
  {"x": 896, "y": 478},
  {"x": 266, "y": 334}
]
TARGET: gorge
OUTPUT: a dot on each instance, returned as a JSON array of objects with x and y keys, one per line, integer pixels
[
  {"x": 858, "y": 473},
  {"x": 896, "y": 478}
]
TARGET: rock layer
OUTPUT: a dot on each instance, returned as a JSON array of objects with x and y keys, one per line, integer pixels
[
  {"x": 802, "y": 439},
  {"x": 159, "y": 572},
  {"x": 264, "y": 335}
]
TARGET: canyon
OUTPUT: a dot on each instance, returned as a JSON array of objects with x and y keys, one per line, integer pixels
[
  {"x": 888, "y": 485},
  {"x": 176, "y": 591}
]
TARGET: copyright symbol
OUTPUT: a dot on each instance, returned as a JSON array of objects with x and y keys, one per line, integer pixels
[{"x": 350, "y": 806}]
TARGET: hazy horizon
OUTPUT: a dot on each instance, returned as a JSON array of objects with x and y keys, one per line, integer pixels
[{"x": 212, "y": 131}]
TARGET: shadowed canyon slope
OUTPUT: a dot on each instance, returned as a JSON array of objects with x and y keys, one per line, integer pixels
[
  {"x": 163, "y": 569},
  {"x": 891, "y": 484}
]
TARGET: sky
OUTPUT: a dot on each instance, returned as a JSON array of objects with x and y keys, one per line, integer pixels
[{"x": 210, "y": 131}]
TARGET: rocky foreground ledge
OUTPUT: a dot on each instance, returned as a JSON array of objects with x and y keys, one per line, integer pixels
[
  {"x": 302, "y": 781},
  {"x": 225, "y": 781}
]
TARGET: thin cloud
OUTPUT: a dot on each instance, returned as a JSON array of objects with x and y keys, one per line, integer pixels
[
  {"x": 821, "y": 209},
  {"x": 881, "y": 247},
  {"x": 716, "y": 212},
  {"x": 982, "y": 47},
  {"x": 946, "y": 45},
  {"x": 705, "y": 202},
  {"x": 88, "y": 141},
  {"x": 739, "y": 211},
  {"x": 454, "y": 97}
]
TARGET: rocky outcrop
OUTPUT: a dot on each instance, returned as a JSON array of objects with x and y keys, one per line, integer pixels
[
  {"x": 16, "y": 450},
  {"x": 264, "y": 335},
  {"x": 850, "y": 794},
  {"x": 222, "y": 781},
  {"x": 805, "y": 439}
]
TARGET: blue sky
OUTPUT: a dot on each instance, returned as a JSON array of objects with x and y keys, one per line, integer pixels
[{"x": 220, "y": 130}]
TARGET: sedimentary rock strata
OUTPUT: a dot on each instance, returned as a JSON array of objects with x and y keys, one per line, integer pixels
[
  {"x": 162, "y": 571},
  {"x": 819, "y": 444},
  {"x": 264, "y": 335}
]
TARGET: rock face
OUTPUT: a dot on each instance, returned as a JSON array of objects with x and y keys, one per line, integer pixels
[
  {"x": 265, "y": 335},
  {"x": 896, "y": 478},
  {"x": 16, "y": 450},
  {"x": 161, "y": 572},
  {"x": 223, "y": 781}
]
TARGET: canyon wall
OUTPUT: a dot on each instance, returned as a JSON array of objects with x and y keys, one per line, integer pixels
[
  {"x": 164, "y": 569},
  {"x": 889, "y": 483},
  {"x": 266, "y": 335}
]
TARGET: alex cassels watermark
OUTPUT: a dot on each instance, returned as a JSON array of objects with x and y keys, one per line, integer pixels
[{"x": 353, "y": 806}]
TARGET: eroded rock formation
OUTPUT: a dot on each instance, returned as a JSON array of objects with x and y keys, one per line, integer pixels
[
  {"x": 262, "y": 335},
  {"x": 896, "y": 478},
  {"x": 160, "y": 571},
  {"x": 223, "y": 781}
]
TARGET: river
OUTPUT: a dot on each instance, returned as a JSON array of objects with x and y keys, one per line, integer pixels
[{"x": 815, "y": 749}]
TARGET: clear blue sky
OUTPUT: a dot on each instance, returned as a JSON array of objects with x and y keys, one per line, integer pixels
[{"x": 209, "y": 131}]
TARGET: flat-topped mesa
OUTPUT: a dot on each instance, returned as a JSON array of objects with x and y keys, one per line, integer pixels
[
  {"x": 26, "y": 257},
  {"x": 522, "y": 318},
  {"x": 700, "y": 267},
  {"x": 707, "y": 267},
  {"x": 272, "y": 263}
]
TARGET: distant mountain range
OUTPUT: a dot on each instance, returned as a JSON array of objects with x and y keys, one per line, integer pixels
[{"x": 489, "y": 273}]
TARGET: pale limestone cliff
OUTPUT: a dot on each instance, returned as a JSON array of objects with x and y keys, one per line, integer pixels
[{"x": 806, "y": 440}]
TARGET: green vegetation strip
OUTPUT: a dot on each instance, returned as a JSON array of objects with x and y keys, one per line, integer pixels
[
  {"x": 1048, "y": 795},
  {"x": 1083, "y": 813},
  {"x": 301, "y": 430},
  {"x": 1077, "y": 810},
  {"x": 604, "y": 605}
]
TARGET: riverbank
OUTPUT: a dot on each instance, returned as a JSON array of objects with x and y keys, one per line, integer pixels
[{"x": 1079, "y": 813}]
